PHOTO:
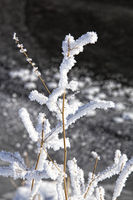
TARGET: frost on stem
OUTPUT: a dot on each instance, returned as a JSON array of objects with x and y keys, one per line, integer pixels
[
  {"x": 81, "y": 112},
  {"x": 24, "y": 115},
  {"x": 95, "y": 155},
  {"x": 77, "y": 177},
  {"x": 100, "y": 193},
  {"x": 16, "y": 168},
  {"x": 120, "y": 183},
  {"x": 12, "y": 157},
  {"x": 24, "y": 51},
  {"x": 47, "y": 137},
  {"x": 36, "y": 96},
  {"x": 70, "y": 48}
]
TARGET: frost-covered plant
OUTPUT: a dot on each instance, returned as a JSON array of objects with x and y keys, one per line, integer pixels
[{"x": 67, "y": 112}]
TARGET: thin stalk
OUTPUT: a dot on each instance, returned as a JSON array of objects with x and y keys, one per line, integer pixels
[
  {"x": 65, "y": 149},
  {"x": 68, "y": 48},
  {"x": 36, "y": 195},
  {"x": 92, "y": 179},
  {"x": 68, "y": 185},
  {"x": 33, "y": 65},
  {"x": 52, "y": 160},
  {"x": 38, "y": 158},
  {"x": 35, "y": 69},
  {"x": 121, "y": 167}
]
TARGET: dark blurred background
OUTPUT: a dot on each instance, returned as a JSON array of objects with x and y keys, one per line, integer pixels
[{"x": 42, "y": 25}]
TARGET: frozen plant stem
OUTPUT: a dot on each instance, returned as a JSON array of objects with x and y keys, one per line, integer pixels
[
  {"x": 29, "y": 60},
  {"x": 67, "y": 112},
  {"x": 41, "y": 148},
  {"x": 52, "y": 160},
  {"x": 92, "y": 179},
  {"x": 65, "y": 149}
]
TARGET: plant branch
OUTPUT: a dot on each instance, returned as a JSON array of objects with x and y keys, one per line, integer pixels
[
  {"x": 65, "y": 149},
  {"x": 52, "y": 160},
  {"x": 42, "y": 141},
  {"x": 92, "y": 179},
  {"x": 29, "y": 60}
]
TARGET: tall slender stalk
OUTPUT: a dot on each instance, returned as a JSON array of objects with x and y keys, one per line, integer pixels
[
  {"x": 92, "y": 179},
  {"x": 29, "y": 60},
  {"x": 41, "y": 148},
  {"x": 65, "y": 149}
]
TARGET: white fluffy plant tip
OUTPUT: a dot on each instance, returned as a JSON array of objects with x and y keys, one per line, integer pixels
[
  {"x": 95, "y": 155},
  {"x": 66, "y": 44},
  {"x": 15, "y": 37},
  {"x": 36, "y": 96},
  {"x": 88, "y": 38},
  {"x": 117, "y": 156},
  {"x": 24, "y": 115},
  {"x": 120, "y": 183},
  {"x": 71, "y": 47}
]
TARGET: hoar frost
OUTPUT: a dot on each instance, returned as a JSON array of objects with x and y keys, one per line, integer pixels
[{"x": 48, "y": 137}]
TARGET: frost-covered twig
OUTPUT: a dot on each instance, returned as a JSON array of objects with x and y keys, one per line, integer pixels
[
  {"x": 93, "y": 175},
  {"x": 29, "y": 60},
  {"x": 12, "y": 157},
  {"x": 100, "y": 193},
  {"x": 24, "y": 115},
  {"x": 120, "y": 183},
  {"x": 70, "y": 48},
  {"x": 65, "y": 148},
  {"x": 36, "y": 96},
  {"x": 81, "y": 112},
  {"x": 77, "y": 177},
  {"x": 41, "y": 156}
]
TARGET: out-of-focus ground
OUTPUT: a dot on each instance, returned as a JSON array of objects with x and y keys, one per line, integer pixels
[{"x": 104, "y": 71}]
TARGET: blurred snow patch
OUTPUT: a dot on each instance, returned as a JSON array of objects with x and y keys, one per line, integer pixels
[
  {"x": 119, "y": 106},
  {"x": 24, "y": 75},
  {"x": 52, "y": 84},
  {"x": 30, "y": 85},
  {"x": 102, "y": 96},
  {"x": 57, "y": 76},
  {"x": 118, "y": 120},
  {"x": 81, "y": 84},
  {"x": 128, "y": 115}
]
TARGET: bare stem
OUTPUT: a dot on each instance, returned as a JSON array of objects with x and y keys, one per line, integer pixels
[
  {"x": 68, "y": 185},
  {"x": 42, "y": 140},
  {"x": 65, "y": 149},
  {"x": 92, "y": 179}
]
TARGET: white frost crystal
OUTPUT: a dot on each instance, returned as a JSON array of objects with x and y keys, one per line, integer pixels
[
  {"x": 95, "y": 155},
  {"x": 36, "y": 96},
  {"x": 24, "y": 115}
]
